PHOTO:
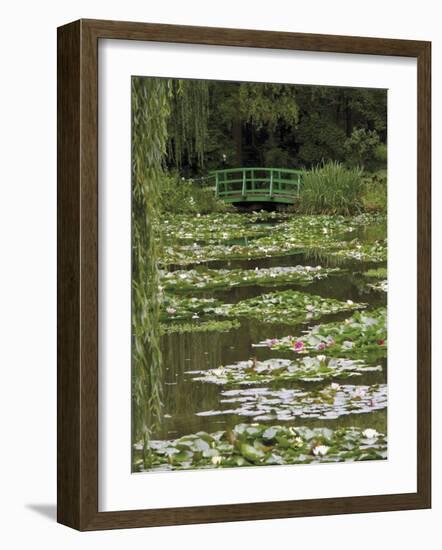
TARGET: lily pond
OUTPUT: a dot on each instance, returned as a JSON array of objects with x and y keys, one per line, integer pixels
[{"x": 274, "y": 341}]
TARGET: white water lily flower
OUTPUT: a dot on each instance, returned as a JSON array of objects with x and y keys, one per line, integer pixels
[
  {"x": 320, "y": 450},
  {"x": 321, "y": 357},
  {"x": 217, "y": 460},
  {"x": 350, "y": 302},
  {"x": 309, "y": 307},
  {"x": 360, "y": 392},
  {"x": 335, "y": 386},
  {"x": 219, "y": 371},
  {"x": 370, "y": 433}
]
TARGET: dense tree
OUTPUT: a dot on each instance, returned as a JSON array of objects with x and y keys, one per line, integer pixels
[{"x": 288, "y": 125}]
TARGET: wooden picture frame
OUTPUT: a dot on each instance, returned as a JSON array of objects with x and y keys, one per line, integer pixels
[{"x": 78, "y": 273}]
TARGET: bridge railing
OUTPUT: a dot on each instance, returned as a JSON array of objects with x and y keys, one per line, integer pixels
[{"x": 242, "y": 184}]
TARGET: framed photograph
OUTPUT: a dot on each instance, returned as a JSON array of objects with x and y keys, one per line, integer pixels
[{"x": 243, "y": 274}]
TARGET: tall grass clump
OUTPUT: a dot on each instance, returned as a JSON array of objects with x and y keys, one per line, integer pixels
[{"x": 330, "y": 188}]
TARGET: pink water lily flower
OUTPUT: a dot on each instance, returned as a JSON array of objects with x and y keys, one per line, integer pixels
[
  {"x": 330, "y": 341},
  {"x": 299, "y": 346},
  {"x": 171, "y": 310},
  {"x": 321, "y": 345}
]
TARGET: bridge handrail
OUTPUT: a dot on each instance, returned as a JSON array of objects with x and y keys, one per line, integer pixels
[
  {"x": 278, "y": 182},
  {"x": 262, "y": 168}
]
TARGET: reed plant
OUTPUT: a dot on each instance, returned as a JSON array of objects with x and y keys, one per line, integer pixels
[{"x": 330, "y": 188}]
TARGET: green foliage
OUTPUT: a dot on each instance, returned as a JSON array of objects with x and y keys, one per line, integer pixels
[
  {"x": 181, "y": 196},
  {"x": 362, "y": 147},
  {"x": 331, "y": 188},
  {"x": 188, "y": 121},
  {"x": 276, "y": 156},
  {"x": 321, "y": 139},
  {"x": 267, "y": 104},
  {"x": 374, "y": 197}
]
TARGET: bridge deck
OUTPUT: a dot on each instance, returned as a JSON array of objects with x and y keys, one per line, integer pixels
[{"x": 238, "y": 185}]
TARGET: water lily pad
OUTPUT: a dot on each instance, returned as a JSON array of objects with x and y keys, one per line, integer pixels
[
  {"x": 287, "y": 306},
  {"x": 362, "y": 336},
  {"x": 198, "y": 326},
  {"x": 239, "y": 447},
  {"x": 332, "y": 401},
  {"x": 193, "y": 279},
  {"x": 303, "y": 369}
]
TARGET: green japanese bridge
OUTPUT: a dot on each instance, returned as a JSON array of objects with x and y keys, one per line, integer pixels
[{"x": 263, "y": 185}]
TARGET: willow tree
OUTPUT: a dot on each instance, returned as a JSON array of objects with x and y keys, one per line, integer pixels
[
  {"x": 267, "y": 104},
  {"x": 153, "y": 102}
]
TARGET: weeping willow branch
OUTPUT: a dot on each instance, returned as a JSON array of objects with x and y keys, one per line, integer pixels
[
  {"x": 188, "y": 120},
  {"x": 152, "y": 102},
  {"x": 150, "y": 112}
]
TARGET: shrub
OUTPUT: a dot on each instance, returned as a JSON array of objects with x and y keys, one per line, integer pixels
[
  {"x": 332, "y": 189},
  {"x": 181, "y": 196},
  {"x": 374, "y": 197}
]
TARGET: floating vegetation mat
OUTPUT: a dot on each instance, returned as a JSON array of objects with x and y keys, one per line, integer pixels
[
  {"x": 362, "y": 336},
  {"x": 303, "y": 369},
  {"x": 229, "y": 225},
  {"x": 206, "y": 326},
  {"x": 368, "y": 252},
  {"x": 217, "y": 227},
  {"x": 275, "y": 307},
  {"x": 257, "y": 248},
  {"x": 264, "y": 445},
  {"x": 227, "y": 278},
  {"x": 211, "y": 235},
  {"x": 331, "y": 402},
  {"x": 289, "y": 306},
  {"x": 184, "y": 307}
]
